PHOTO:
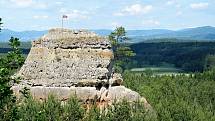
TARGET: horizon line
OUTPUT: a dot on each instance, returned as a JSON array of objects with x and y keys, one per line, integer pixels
[{"x": 113, "y": 28}]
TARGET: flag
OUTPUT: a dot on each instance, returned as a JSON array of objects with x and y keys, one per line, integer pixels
[{"x": 65, "y": 16}]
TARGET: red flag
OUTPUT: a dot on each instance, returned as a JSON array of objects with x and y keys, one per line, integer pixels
[{"x": 65, "y": 16}]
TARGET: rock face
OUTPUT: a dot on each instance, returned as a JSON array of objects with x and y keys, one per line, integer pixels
[
  {"x": 65, "y": 58},
  {"x": 67, "y": 63}
]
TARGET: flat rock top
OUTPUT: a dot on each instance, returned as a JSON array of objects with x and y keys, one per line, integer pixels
[
  {"x": 60, "y": 33},
  {"x": 71, "y": 38}
]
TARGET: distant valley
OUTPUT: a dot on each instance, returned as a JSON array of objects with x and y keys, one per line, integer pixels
[{"x": 205, "y": 33}]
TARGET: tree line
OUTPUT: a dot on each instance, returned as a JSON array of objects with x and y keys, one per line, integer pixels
[{"x": 189, "y": 56}]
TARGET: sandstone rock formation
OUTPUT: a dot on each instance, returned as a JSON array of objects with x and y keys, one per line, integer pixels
[
  {"x": 65, "y": 58},
  {"x": 68, "y": 62}
]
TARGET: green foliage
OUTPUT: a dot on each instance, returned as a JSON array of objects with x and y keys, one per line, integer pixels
[
  {"x": 177, "y": 97},
  {"x": 94, "y": 115},
  {"x": 121, "y": 112},
  {"x": 73, "y": 110},
  {"x": 5, "y": 48},
  {"x": 14, "y": 58},
  {"x": 52, "y": 109},
  {"x": 119, "y": 35},
  {"x": 121, "y": 52},
  {"x": 8, "y": 65},
  {"x": 210, "y": 62},
  {"x": 188, "y": 56},
  {"x": 30, "y": 110},
  {"x": 23, "y": 45}
]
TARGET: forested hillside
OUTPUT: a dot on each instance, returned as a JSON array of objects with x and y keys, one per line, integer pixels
[
  {"x": 177, "y": 98},
  {"x": 188, "y": 56}
]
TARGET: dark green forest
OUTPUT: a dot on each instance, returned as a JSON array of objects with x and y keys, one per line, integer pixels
[
  {"x": 177, "y": 98},
  {"x": 188, "y": 56}
]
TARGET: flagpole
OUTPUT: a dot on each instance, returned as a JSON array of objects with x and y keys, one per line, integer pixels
[
  {"x": 62, "y": 26},
  {"x": 64, "y": 16},
  {"x": 62, "y": 23}
]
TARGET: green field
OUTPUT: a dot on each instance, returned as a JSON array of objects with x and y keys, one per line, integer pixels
[{"x": 159, "y": 70}]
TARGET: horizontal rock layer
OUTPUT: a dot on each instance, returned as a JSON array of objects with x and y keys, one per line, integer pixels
[
  {"x": 68, "y": 58},
  {"x": 84, "y": 94}
]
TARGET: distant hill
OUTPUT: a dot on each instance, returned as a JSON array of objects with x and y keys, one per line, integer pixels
[
  {"x": 6, "y": 34},
  {"x": 199, "y": 33},
  {"x": 135, "y": 33},
  {"x": 205, "y": 33}
]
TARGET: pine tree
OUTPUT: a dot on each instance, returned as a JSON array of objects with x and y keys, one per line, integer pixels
[
  {"x": 8, "y": 65},
  {"x": 121, "y": 51}
]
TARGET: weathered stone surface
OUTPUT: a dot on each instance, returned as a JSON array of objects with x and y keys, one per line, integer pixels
[
  {"x": 41, "y": 93},
  {"x": 116, "y": 93},
  {"x": 68, "y": 58},
  {"x": 119, "y": 93},
  {"x": 116, "y": 79}
]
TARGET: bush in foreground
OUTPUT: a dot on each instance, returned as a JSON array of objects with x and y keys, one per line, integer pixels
[{"x": 53, "y": 109}]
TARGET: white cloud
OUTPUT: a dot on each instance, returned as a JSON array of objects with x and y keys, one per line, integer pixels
[
  {"x": 151, "y": 22},
  {"x": 178, "y": 5},
  {"x": 22, "y": 3},
  {"x": 173, "y": 3},
  {"x": 40, "y": 17},
  {"x": 179, "y": 13},
  {"x": 135, "y": 9},
  {"x": 170, "y": 2},
  {"x": 3, "y": 2},
  {"x": 63, "y": 10},
  {"x": 40, "y": 5},
  {"x": 28, "y": 3},
  {"x": 75, "y": 14},
  {"x": 58, "y": 3},
  {"x": 118, "y": 14},
  {"x": 199, "y": 5}
]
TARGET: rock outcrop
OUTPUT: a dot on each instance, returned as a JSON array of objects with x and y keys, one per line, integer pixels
[
  {"x": 67, "y": 63},
  {"x": 65, "y": 58}
]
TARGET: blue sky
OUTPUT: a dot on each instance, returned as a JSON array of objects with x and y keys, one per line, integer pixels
[{"x": 107, "y": 14}]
